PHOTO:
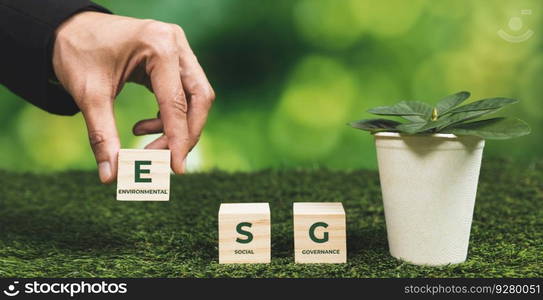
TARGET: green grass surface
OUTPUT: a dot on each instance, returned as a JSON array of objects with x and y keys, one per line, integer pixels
[{"x": 68, "y": 225}]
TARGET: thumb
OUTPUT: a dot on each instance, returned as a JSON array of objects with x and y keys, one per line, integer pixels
[{"x": 103, "y": 137}]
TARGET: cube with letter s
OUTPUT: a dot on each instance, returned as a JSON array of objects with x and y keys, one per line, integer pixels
[{"x": 244, "y": 233}]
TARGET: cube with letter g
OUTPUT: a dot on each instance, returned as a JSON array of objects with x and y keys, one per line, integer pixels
[{"x": 319, "y": 232}]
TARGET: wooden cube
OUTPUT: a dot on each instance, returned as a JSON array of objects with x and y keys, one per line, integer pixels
[
  {"x": 319, "y": 232},
  {"x": 143, "y": 175},
  {"x": 244, "y": 233}
]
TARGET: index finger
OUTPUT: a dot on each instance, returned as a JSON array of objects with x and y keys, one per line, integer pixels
[
  {"x": 168, "y": 89},
  {"x": 201, "y": 97}
]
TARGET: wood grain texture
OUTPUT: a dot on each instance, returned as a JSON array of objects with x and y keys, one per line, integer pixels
[
  {"x": 258, "y": 250},
  {"x": 329, "y": 243},
  {"x": 157, "y": 172}
]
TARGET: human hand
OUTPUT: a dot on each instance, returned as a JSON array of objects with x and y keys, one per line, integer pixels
[{"x": 95, "y": 54}]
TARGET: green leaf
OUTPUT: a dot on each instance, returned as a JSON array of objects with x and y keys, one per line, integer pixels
[
  {"x": 485, "y": 104},
  {"x": 415, "y": 119},
  {"x": 411, "y": 128},
  {"x": 410, "y": 110},
  {"x": 375, "y": 125},
  {"x": 448, "y": 120},
  {"x": 451, "y": 101},
  {"x": 460, "y": 117},
  {"x": 496, "y": 128}
]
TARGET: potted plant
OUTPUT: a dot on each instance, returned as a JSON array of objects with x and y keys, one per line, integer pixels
[{"x": 429, "y": 169}]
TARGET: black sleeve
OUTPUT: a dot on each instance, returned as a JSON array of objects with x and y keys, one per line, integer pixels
[{"x": 27, "y": 30}]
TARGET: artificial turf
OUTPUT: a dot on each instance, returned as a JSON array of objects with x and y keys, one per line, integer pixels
[{"x": 68, "y": 225}]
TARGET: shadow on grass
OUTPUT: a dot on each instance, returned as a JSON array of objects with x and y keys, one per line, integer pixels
[
  {"x": 59, "y": 231},
  {"x": 367, "y": 240}
]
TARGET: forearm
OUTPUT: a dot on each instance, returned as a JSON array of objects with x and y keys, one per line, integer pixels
[{"x": 27, "y": 30}]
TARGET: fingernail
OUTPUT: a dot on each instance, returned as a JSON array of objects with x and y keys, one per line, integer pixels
[{"x": 104, "y": 171}]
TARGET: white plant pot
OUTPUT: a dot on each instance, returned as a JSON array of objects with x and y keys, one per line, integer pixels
[{"x": 429, "y": 185}]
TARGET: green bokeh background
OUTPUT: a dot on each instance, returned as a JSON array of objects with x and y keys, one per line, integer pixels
[{"x": 289, "y": 74}]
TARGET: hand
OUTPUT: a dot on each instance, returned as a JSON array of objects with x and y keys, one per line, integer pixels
[{"x": 95, "y": 54}]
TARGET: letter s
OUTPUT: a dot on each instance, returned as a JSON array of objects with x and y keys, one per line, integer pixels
[{"x": 244, "y": 232}]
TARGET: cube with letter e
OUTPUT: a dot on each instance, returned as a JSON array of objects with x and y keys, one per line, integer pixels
[
  {"x": 144, "y": 175},
  {"x": 244, "y": 233},
  {"x": 319, "y": 232}
]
